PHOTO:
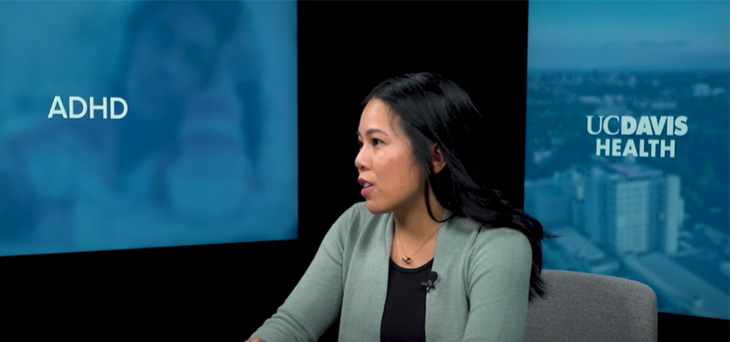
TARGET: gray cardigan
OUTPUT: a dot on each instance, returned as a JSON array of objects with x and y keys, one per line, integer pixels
[{"x": 481, "y": 293}]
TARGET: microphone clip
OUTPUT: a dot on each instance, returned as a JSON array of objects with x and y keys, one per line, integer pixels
[{"x": 430, "y": 283}]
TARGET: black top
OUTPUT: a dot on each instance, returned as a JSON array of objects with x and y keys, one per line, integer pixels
[{"x": 404, "y": 316}]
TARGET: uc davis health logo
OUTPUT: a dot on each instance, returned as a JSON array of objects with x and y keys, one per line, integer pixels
[{"x": 645, "y": 137}]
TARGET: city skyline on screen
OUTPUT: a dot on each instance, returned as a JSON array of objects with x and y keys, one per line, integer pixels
[{"x": 627, "y": 156}]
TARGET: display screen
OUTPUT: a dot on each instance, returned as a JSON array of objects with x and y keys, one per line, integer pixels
[
  {"x": 627, "y": 136},
  {"x": 139, "y": 124}
]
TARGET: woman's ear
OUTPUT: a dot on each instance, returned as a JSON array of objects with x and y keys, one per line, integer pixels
[{"x": 437, "y": 159}]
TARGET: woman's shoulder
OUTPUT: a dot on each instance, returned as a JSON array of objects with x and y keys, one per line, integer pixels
[
  {"x": 502, "y": 235},
  {"x": 493, "y": 238},
  {"x": 504, "y": 246},
  {"x": 358, "y": 208},
  {"x": 357, "y": 211},
  {"x": 357, "y": 218}
]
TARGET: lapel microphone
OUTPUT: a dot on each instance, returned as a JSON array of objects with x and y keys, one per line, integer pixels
[{"x": 430, "y": 283}]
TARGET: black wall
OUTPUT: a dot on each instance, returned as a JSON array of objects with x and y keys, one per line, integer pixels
[{"x": 224, "y": 292}]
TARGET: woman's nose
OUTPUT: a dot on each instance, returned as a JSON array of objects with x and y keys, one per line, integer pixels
[{"x": 360, "y": 159}]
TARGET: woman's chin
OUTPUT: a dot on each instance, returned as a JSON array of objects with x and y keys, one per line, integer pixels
[{"x": 374, "y": 208}]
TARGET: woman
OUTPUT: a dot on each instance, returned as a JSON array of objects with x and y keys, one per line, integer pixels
[
  {"x": 172, "y": 72},
  {"x": 433, "y": 254},
  {"x": 187, "y": 155}
]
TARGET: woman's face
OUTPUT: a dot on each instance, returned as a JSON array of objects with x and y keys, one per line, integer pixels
[
  {"x": 174, "y": 53},
  {"x": 390, "y": 176}
]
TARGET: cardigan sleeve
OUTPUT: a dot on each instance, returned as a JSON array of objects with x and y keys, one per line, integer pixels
[
  {"x": 498, "y": 283},
  {"x": 316, "y": 300}
]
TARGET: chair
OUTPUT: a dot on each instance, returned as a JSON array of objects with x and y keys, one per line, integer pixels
[{"x": 590, "y": 307}]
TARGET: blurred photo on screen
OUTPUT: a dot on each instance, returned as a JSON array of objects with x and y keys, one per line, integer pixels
[{"x": 138, "y": 124}]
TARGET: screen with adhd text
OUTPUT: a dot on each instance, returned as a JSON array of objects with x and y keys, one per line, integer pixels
[{"x": 141, "y": 124}]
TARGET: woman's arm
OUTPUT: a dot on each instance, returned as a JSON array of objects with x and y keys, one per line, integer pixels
[
  {"x": 498, "y": 286},
  {"x": 316, "y": 300}
]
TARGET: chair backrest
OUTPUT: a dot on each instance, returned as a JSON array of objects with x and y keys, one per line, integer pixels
[{"x": 591, "y": 307}]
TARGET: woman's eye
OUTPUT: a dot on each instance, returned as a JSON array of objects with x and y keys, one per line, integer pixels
[{"x": 376, "y": 142}]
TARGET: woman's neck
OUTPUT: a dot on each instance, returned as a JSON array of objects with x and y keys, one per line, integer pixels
[
  {"x": 415, "y": 233},
  {"x": 416, "y": 221}
]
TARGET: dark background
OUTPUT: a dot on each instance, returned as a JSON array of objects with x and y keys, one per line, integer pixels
[{"x": 224, "y": 292}]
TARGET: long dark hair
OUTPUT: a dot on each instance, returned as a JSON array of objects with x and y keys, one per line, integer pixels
[{"x": 434, "y": 109}]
